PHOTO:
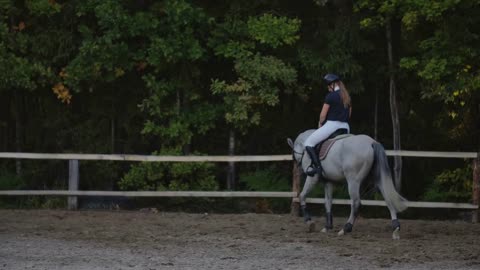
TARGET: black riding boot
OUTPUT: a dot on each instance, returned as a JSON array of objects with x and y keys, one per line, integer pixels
[{"x": 317, "y": 167}]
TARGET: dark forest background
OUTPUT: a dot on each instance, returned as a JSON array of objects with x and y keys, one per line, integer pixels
[{"x": 188, "y": 77}]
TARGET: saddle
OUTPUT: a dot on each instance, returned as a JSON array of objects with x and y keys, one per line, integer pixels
[{"x": 323, "y": 147}]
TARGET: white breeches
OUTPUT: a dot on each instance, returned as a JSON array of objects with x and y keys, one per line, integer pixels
[{"x": 325, "y": 131}]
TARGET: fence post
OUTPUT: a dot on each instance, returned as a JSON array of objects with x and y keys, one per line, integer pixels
[
  {"x": 295, "y": 206},
  {"x": 73, "y": 177},
  {"x": 476, "y": 188}
]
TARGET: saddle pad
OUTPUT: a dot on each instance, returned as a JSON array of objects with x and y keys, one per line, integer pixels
[{"x": 325, "y": 147}]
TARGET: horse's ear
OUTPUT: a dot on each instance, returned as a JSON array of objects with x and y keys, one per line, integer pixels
[{"x": 290, "y": 142}]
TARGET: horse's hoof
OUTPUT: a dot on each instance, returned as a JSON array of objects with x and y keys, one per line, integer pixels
[
  {"x": 341, "y": 232},
  {"x": 324, "y": 230},
  {"x": 396, "y": 234},
  {"x": 311, "y": 226}
]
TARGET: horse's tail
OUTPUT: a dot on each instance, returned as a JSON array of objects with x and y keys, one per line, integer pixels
[{"x": 383, "y": 179}]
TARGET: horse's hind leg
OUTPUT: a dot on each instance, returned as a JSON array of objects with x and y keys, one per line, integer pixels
[
  {"x": 328, "y": 206},
  {"x": 354, "y": 191},
  {"x": 395, "y": 223},
  {"x": 307, "y": 187}
]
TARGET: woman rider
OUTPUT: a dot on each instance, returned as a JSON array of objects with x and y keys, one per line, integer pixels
[{"x": 335, "y": 114}]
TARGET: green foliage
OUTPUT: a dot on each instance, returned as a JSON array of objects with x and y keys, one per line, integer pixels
[
  {"x": 169, "y": 176},
  {"x": 410, "y": 20},
  {"x": 433, "y": 69},
  {"x": 261, "y": 79},
  {"x": 156, "y": 43},
  {"x": 268, "y": 179},
  {"x": 451, "y": 185},
  {"x": 408, "y": 63},
  {"x": 42, "y": 7},
  {"x": 230, "y": 39},
  {"x": 168, "y": 120},
  {"x": 10, "y": 181},
  {"x": 54, "y": 203},
  {"x": 178, "y": 39},
  {"x": 342, "y": 55},
  {"x": 24, "y": 64},
  {"x": 38, "y": 202},
  {"x": 443, "y": 59},
  {"x": 145, "y": 176},
  {"x": 106, "y": 52},
  {"x": 235, "y": 49},
  {"x": 274, "y": 31},
  {"x": 17, "y": 72},
  {"x": 6, "y": 7},
  {"x": 438, "y": 46}
]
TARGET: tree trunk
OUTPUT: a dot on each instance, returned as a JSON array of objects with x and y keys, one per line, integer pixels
[
  {"x": 375, "y": 117},
  {"x": 397, "y": 168},
  {"x": 112, "y": 134},
  {"x": 18, "y": 130},
  {"x": 231, "y": 164},
  {"x": 112, "y": 121},
  {"x": 18, "y": 124}
]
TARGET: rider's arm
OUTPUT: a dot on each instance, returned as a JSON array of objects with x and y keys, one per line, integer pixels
[
  {"x": 323, "y": 114},
  {"x": 350, "y": 115}
]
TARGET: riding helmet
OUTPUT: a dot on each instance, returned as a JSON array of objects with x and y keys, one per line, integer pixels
[{"x": 331, "y": 78}]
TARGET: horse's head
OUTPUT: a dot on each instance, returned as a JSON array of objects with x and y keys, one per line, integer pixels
[{"x": 298, "y": 149}]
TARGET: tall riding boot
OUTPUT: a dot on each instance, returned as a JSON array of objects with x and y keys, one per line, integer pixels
[{"x": 317, "y": 167}]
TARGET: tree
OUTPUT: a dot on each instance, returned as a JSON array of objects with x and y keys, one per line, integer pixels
[
  {"x": 443, "y": 60},
  {"x": 22, "y": 67},
  {"x": 385, "y": 15},
  {"x": 260, "y": 78}
]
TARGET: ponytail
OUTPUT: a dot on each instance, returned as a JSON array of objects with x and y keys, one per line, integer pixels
[{"x": 347, "y": 102}]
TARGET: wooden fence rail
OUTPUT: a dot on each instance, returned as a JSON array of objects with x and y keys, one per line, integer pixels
[
  {"x": 146, "y": 158},
  {"x": 212, "y": 194},
  {"x": 73, "y": 191},
  {"x": 256, "y": 158}
]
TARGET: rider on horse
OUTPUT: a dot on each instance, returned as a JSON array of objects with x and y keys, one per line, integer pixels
[{"x": 335, "y": 114}]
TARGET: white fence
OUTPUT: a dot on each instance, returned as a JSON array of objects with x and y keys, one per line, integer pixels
[{"x": 73, "y": 191}]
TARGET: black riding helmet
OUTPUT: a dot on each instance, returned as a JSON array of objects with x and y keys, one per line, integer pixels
[{"x": 331, "y": 78}]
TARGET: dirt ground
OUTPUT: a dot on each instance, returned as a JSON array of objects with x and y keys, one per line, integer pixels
[{"x": 41, "y": 239}]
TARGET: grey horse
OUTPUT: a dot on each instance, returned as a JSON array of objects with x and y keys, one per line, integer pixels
[{"x": 350, "y": 159}]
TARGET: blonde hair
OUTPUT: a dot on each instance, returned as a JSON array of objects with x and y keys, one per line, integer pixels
[{"x": 347, "y": 102}]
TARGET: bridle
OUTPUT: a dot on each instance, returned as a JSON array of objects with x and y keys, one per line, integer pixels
[{"x": 299, "y": 163}]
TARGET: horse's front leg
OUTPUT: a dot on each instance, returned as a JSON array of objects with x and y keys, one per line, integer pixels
[
  {"x": 354, "y": 192},
  {"x": 328, "y": 206},
  {"x": 307, "y": 187}
]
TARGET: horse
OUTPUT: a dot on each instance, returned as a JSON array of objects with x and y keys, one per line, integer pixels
[{"x": 354, "y": 159}]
